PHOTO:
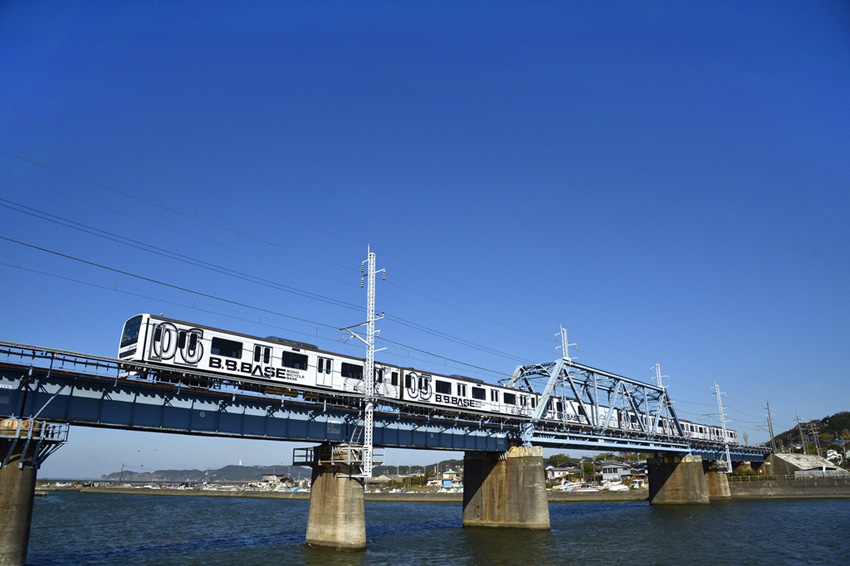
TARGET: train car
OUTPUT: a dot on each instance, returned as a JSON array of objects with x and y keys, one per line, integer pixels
[
  {"x": 178, "y": 344},
  {"x": 465, "y": 393}
]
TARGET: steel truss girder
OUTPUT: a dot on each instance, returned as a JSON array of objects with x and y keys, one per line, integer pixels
[
  {"x": 595, "y": 390},
  {"x": 600, "y": 442}
]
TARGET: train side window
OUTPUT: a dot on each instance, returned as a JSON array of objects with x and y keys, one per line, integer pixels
[
  {"x": 379, "y": 375},
  {"x": 442, "y": 387},
  {"x": 325, "y": 365},
  {"x": 294, "y": 360},
  {"x": 181, "y": 339},
  {"x": 461, "y": 390},
  {"x": 394, "y": 378},
  {"x": 352, "y": 371},
  {"x": 510, "y": 398},
  {"x": 408, "y": 381},
  {"x": 494, "y": 396},
  {"x": 226, "y": 348},
  {"x": 479, "y": 393}
]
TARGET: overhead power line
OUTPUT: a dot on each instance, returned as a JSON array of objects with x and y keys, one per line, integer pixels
[{"x": 228, "y": 301}]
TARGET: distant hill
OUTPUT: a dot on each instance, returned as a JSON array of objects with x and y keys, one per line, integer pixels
[
  {"x": 830, "y": 430},
  {"x": 235, "y": 474},
  {"x": 244, "y": 474}
]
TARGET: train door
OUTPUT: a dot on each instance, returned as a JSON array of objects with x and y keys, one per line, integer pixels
[
  {"x": 262, "y": 354},
  {"x": 324, "y": 372},
  {"x": 386, "y": 382}
]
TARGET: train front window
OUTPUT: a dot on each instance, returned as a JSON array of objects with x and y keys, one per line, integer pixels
[{"x": 131, "y": 331}]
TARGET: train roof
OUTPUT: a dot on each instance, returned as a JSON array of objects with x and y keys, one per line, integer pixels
[{"x": 293, "y": 343}]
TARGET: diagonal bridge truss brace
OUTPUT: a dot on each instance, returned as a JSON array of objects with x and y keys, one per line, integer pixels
[{"x": 604, "y": 404}]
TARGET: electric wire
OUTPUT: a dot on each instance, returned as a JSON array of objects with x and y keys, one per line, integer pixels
[
  {"x": 173, "y": 255},
  {"x": 224, "y": 300},
  {"x": 160, "y": 206},
  {"x": 232, "y": 273},
  {"x": 213, "y": 224},
  {"x": 237, "y": 232}
]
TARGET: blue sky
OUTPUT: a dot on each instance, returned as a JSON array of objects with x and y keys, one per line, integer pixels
[{"x": 668, "y": 180}]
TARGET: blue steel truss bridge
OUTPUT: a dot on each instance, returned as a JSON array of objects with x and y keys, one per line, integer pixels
[{"x": 46, "y": 389}]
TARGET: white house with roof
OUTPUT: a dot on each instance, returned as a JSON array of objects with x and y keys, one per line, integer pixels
[
  {"x": 450, "y": 480},
  {"x": 615, "y": 471}
]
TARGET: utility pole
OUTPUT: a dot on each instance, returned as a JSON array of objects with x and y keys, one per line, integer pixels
[
  {"x": 813, "y": 431},
  {"x": 723, "y": 426},
  {"x": 802, "y": 440},
  {"x": 565, "y": 345},
  {"x": 369, "y": 378},
  {"x": 770, "y": 428},
  {"x": 658, "y": 377}
]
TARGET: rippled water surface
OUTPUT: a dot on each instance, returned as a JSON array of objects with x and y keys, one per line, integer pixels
[{"x": 77, "y": 528}]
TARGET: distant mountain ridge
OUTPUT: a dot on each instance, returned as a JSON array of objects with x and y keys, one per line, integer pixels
[
  {"x": 238, "y": 474},
  {"x": 245, "y": 474}
]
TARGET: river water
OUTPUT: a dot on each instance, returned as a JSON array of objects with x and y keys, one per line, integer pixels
[{"x": 89, "y": 528}]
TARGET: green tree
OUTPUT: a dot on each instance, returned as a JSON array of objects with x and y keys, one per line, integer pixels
[{"x": 558, "y": 459}]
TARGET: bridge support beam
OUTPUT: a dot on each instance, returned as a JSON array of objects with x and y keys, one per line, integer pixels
[
  {"x": 337, "y": 516},
  {"x": 505, "y": 489},
  {"x": 675, "y": 479},
  {"x": 717, "y": 482},
  {"x": 17, "y": 489}
]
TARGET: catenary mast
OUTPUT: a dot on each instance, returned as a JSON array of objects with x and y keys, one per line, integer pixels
[{"x": 368, "y": 265}]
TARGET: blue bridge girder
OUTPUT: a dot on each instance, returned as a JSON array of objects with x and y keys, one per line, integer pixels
[
  {"x": 57, "y": 386},
  {"x": 78, "y": 389}
]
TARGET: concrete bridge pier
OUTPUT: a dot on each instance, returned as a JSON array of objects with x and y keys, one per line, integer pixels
[
  {"x": 676, "y": 479},
  {"x": 716, "y": 481},
  {"x": 505, "y": 489},
  {"x": 337, "y": 516},
  {"x": 23, "y": 446}
]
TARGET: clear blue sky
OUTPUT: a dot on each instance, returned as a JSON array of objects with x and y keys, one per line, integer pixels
[{"x": 668, "y": 180}]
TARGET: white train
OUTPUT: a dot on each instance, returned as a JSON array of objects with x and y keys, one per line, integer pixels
[{"x": 304, "y": 367}]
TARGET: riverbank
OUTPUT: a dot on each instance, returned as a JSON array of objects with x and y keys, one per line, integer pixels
[
  {"x": 789, "y": 487},
  {"x": 411, "y": 497},
  {"x": 776, "y": 488}
]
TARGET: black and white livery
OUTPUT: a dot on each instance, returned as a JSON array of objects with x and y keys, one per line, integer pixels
[{"x": 285, "y": 363}]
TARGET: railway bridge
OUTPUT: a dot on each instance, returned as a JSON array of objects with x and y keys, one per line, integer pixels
[{"x": 43, "y": 391}]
